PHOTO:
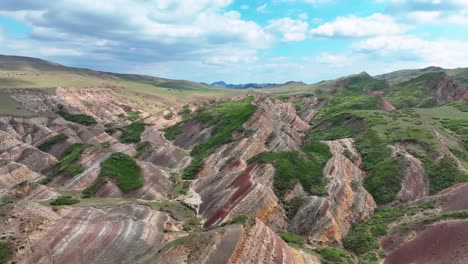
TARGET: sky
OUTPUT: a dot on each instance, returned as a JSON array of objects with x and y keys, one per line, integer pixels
[{"x": 239, "y": 41}]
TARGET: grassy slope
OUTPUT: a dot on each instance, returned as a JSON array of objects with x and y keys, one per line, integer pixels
[
  {"x": 225, "y": 117},
  {"x": 294, "y": 167},
  {"x": 122, "y": 169},
  {"x": 351, "y": 113},
  {"x": 8, "y": 106},
  {"x": 24, "y": 72}
]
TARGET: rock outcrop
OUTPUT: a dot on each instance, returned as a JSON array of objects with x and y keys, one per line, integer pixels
[
  {"x": 445, "y": 89},
  {"x": 126, "y": 233},
  {"x": 327, "y": 220},
  {"x": 228, "y": 185},
  {"x": 414, "y": 184},
  {"x": 234, "y": 244}
]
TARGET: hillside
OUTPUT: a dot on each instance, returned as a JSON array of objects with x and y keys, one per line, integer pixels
[
  {"x": 24, "y": 72},
  {"x": 100, "y": 167}
]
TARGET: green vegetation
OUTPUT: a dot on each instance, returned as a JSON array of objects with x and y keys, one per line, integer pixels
[
  {"x": 343, "y": 125},
  {"x": 173, "y": 131},
  {"x": 373, "y": 149},
  {"x": 293, "y": 207},
  {"x": 352, "y": 96},
  {"x": 52, "y": 141},
  {"x": 193, "y": 224},
  {"x": 298, "y": 103},
  {"x": 141, "y": 148},
  {"x": 298, "y": 167},
  {"x": 6, "y": 252},
  {"x": 133, "y": 115},
  {"x": 225, "y": 118},
  {"x": 363, "y": 236},
  {"x": 185, "y": 111},
  {"x": 76, "y": 118},
  {"x": 8, "y": 106},
  {"x": 64, "y": 200},
  {"x": 443, "y": 174},
  {"x": 412, "y": 93},
  {"x": 334, "y": 255},
  {"x": 122, "y": 169},
  {"x": 168, "y": 116},
  {"x": 181, "y": 188},
  {"x": 175, "y": 209},
  {"x": 242, "y": 219},
  {"x": 69, "y": 164},
  {"x": 132, "y": 133},
  {"x": 386, "y": 178},
  {"x": 292, "y": 238}
]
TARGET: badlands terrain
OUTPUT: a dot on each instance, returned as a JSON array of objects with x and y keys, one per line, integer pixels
[{"x": 98, "y": 167}]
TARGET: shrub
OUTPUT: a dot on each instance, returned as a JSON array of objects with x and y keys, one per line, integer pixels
[
  {"x": 363, "y": 236},
  {"x": 141, "y": 148},
  {"x": 168, "y": 116},
  {"x": 335, "y": 255},
  {"x": 133, "y": 116},
  {"x": 292, "y": 238},
  {"x": 132, "y": 132},
  {"x": 122, "y": 169},
  {"x": 292, "y": 167},
  {"x": 76, "y": 118},
  {"x": 385, "y": 180},
  {"x": 52, "y": 141},
  {"x": 64, "y": 200},
  {"x": 443, "y": 174},
  {"x": 6, "y": 251},
  {"x": 69, "y": 164}
]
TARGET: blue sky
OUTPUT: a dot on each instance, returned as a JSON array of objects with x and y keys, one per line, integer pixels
[{"x": 239, "y": 41}]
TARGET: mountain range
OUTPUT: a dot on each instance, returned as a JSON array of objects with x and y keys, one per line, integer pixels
[{"x": 100, "y": 167}]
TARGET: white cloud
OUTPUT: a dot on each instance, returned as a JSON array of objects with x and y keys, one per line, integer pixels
[
  {"x": 290, "y": 29},
  {"x": 233, "y": 57},
  {"x": 352, "y": 26},
  {"x": 142, "y": 31},
  {"x": 51, "y": 51},
  {"x": 244, "y": 7},
  {"x": 312, "y": 2},
  {"x": 261, "y": 9},
  {"x": 336, "y": 60},
  {"x": 444, "y": 53}
]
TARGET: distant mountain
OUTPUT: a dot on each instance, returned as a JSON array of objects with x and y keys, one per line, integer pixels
[{"x": 251, "y": 85}]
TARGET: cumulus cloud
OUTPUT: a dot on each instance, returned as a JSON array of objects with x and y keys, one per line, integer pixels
[
  {"x": 137, "y": 30},
  {"x": 426, "y": 5},
  {"x": 444, "y": 53},
  {"x": 352, "y": 26},
  {"x": 289, "y": 29},
  {"x": 429, "y": 11}
]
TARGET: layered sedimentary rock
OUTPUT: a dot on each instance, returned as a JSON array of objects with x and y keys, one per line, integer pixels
[
  {"x": 445, "y": 89},
  {"x": 309, "y": 109},
  {"x": 326, "y": 220},
  {"x": 384, "y": 105},
  {"x": 161, "y": 151},
  {"x": 121, "y": 234},
  {"x": 234, "y": 244},
  {"x": 414, "y": 184},
  {"x": 428, "y": 236},
  {"x": 12, "y": 173},
  {"x": 100, "y": 103},
  {"x": 156, "y": 185},
  {"x": 445, "y": 242},
  {"x": 228, "y": 185}
]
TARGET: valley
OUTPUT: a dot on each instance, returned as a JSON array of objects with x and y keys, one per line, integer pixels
[{"x": 99, "y": 167}]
